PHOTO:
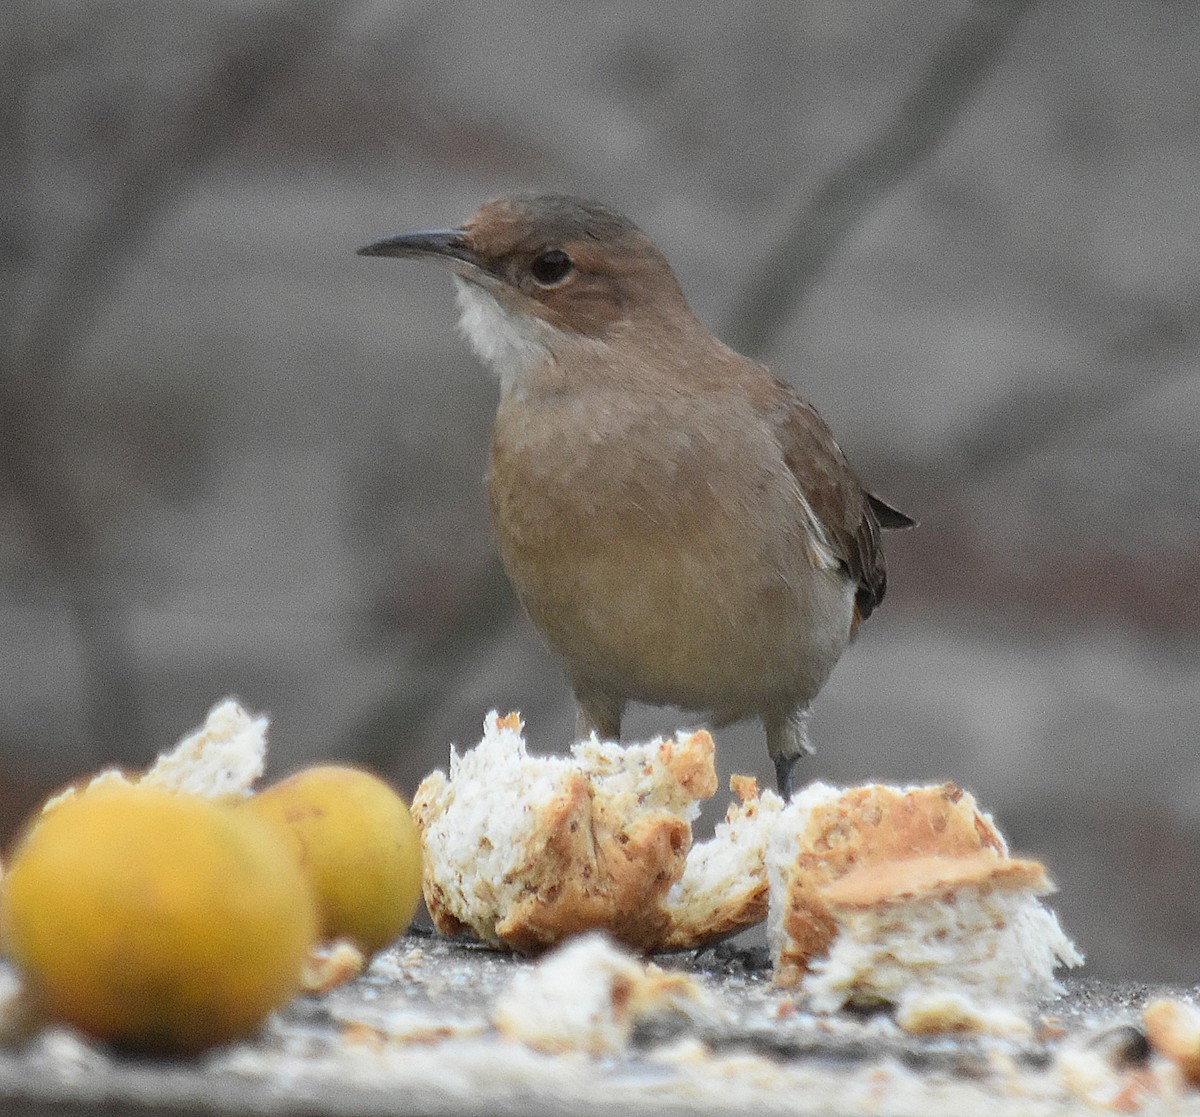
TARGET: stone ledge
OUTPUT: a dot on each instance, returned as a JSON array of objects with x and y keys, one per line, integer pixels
[{"x": 411, "y": 1036}]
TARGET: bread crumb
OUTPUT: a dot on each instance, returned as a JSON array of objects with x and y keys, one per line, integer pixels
[
  {"x": 1173, "y": 1029},
  {"x": 588, "y": 995},
  {"x": 949, "y": 1011},
  {"x": 111, "y": 777},
  {"x": 330, "y": 965},
  {"x": 1091, "y": 1076},
  {"x": 1087, "y": 1075}
]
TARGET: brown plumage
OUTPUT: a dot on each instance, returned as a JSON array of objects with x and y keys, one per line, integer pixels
[{"x": 682, "y": 527}]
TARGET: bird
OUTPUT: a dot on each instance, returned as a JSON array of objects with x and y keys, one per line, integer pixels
[{"x": 679, "y": 524}]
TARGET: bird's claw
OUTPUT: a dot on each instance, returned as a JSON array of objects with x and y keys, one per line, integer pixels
[{"x": 785, "y": 767}]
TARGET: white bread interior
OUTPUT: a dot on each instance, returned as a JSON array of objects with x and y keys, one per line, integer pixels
[{"x": 524, "y": 851}]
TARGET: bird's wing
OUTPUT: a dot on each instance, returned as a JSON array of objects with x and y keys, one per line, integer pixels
[
  {"x": 890, "y": 519},
  {"x": 848, "y": 514}
]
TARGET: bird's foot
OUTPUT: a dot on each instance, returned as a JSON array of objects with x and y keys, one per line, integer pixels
[
  {"x": 785, "y": 768},
  {"x": 599, "y": 713},
  {"x": 787, "y": 743}
]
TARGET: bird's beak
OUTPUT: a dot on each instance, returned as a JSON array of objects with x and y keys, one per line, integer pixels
[{"x": 450, "y": 245}]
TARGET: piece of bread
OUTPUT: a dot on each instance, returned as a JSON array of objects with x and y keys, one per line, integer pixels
[
  {"x": 1173, "y": 1029},
  {"x": 524, "y": 851},
  {"x": 224, "y": 758},
  {"x": 588, "y": 995},
  {"x": 942, "y": 938},
  {"x": 221, "y": 760},
  {"x": 723, "y": 889},
  {"x": 874, "y": 894},
  {"x": 907, "y": 896},
  {"x": 824, "y": 832}
]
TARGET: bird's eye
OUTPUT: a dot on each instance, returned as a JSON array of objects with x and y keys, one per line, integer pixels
[{"x": 551, "y": 267}]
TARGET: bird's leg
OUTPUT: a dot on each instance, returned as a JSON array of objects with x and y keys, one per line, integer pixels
[
  {"x": 599, "y": 713},
  {"x": 787, "y": 742}
]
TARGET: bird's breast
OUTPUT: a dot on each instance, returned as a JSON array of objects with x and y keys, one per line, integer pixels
[{"x": 664, "y": 551}]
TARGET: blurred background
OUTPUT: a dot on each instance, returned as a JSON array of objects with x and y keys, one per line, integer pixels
[{"x": 235, "y": 458}]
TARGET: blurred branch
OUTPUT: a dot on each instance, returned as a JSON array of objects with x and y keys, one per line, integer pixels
[
  {"x": 38, "y": 357},
  {"x": 797, "y": 256}
]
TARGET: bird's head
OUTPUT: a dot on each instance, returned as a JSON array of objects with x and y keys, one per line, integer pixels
[{"x": 540, "y": 275}]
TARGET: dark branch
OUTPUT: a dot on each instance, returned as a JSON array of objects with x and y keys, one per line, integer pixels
[{"x": 821, "y": 225}]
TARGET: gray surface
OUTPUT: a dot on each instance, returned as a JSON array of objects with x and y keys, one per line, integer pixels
[{"x": 758, "y": 1058}]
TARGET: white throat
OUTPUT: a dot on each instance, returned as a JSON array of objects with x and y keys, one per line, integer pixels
[{"x": 505, "y": 342}]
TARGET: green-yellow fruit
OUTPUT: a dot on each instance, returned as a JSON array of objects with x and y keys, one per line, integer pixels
[
  {"x": 155, "y": 921},
  {"x": 354, "y": 837}
]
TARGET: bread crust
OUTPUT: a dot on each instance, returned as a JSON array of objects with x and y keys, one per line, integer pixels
[
  {"x": 900, "y": 882},
  {"x": 589, "y": 870}
]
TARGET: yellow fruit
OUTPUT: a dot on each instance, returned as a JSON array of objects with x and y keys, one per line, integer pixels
[
  {"x": 354, "y": 836},
  {"x": 155, "y": 921}
]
